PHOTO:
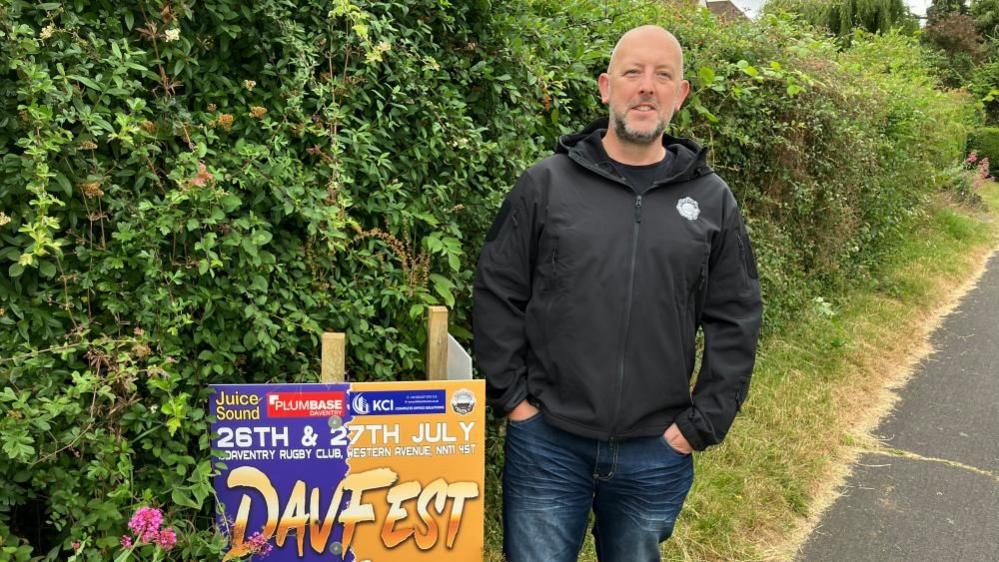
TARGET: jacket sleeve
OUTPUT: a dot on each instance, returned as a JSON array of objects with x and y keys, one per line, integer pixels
[
  {"x": 501, "y": 291},
  {"x": 730, "y": 319}
]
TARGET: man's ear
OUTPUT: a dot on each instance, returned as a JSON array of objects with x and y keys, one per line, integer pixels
[
  {"x": 604, "y": 82},
  {"x": 684, "y": 90}
]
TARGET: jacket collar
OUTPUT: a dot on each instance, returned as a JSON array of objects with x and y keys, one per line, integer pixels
[{"x": 688, "y": 159}]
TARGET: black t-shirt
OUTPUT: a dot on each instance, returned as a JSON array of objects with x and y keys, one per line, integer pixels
[{"x": 640, "y": 178}]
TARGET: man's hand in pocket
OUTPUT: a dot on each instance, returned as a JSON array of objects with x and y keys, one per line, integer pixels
[{"x": 523, "y": 411}]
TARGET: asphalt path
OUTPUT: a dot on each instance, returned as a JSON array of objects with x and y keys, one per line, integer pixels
[{"x": 936, "y": 498}]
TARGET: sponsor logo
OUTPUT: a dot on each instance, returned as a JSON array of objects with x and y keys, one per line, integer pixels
[
  {"x": 463, "y": 402},
  {"x": 360, "y": 405},
  {"x": 305, "y": 404},
  {"x": 688, "y": 208},
  {"x": 375, "y": 403}
]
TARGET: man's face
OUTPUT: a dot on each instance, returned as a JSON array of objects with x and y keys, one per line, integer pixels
[{"x": 643, "y": 87}]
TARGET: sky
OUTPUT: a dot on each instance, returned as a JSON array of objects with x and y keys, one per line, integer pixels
[{"x": 751, "y": 7}]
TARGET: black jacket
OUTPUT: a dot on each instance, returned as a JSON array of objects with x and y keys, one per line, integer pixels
[{"x": 587, "y": 296}]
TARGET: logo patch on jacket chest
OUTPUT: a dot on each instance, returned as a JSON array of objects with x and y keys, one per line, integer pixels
[{"x": 688, "y": 208}]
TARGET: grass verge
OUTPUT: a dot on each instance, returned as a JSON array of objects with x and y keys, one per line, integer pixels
[{"x": 817, "y": 392}]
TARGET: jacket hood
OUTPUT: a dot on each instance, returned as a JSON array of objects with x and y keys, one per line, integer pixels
[{"x": 688, "y": 161}]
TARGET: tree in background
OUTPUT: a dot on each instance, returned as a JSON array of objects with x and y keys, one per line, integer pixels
[
  {"x": 986, "y": 15},
  {"x": 984, "y": 85},
  {"x": 953, "y": 32},
  {"x": 956, "y": 33},
  {"x": 841, "y": 17},
  {"x": 940, "y": 9},
  {"x": 985, "y": 77}
]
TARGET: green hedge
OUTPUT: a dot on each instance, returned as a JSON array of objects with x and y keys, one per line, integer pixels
[{"x": 192, "y": 193}]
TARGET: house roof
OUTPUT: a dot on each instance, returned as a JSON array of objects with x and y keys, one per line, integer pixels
[{"x": 725, "y": 9}]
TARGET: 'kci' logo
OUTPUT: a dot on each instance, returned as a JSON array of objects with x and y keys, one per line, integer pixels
[{"x": 360, "y": 405}]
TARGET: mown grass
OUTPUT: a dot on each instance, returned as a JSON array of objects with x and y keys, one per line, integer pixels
[{"x": 817, "y": 390}]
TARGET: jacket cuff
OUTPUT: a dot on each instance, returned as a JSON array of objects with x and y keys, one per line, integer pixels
[
  {"x": 689, "y": 430},
  {"x": 513, "y": 396}
]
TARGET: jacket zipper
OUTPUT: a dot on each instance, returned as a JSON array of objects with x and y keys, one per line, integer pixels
[
  {"x": 631, "y": 275},
  {"x": 627, "y": 313}
]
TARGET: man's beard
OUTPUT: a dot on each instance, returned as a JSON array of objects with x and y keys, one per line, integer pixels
[{"x": 626, "y": 134}]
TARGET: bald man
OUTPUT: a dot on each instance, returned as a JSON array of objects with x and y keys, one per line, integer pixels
[{"x": 601, "y": 265}]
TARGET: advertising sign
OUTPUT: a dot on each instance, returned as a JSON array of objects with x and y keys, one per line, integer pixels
[{"x": 377, "y": 472}]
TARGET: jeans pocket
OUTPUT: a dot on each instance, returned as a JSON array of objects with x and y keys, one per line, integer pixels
[
  {"x": 665, "y": 443},
  {"x": 524, "y": 421}
]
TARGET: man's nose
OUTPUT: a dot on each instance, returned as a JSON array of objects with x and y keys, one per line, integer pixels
[{"x": 647, "y": 83}]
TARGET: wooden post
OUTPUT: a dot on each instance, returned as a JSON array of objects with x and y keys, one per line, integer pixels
[
  {"x": 334, "y": 355},
  {"x": 437, "y": 343}
]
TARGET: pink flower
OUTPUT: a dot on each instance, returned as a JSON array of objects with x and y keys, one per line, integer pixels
[
  {"x": 146, "y": 523},
  {"x": 126, "y": 541},
  {"x": 973, "y": 157},
  {"x": 166, "y": 539},
  {"x": 983, "y": 168},
  {"x": 75, "y": 545},
  {"x": 259, "y": 545}
]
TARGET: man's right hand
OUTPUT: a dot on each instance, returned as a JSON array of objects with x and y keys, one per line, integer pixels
[{"x": 523, "y": 411}]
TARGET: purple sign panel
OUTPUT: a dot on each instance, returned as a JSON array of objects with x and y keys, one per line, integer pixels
[{"x": 272, "y": 438}]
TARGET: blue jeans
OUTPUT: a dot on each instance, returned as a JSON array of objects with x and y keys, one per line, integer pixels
[{"x": 552, "y": 479}]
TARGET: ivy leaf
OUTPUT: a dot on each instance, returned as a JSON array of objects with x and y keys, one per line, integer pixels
[
  {"x": 427, "y": 218},
  {"x": 18, "y": 446},
  {"x": 181, "y": 496},
  {"x": 230, "y": 202},
  {"x": 443, "y": 287},
  {"x": 707, "y": 75},
  {"x": 706, "y": 113},
  {"x": 86, "y": 82},
  {"x": 47, "y": 269},
  {"x": 434, "y": 244},
  {"x": 63, "y": 182},
  {"x": 416, "y": 310},
  {"x": 262, "y": 237},
  {"x": 173, "y": 424}
]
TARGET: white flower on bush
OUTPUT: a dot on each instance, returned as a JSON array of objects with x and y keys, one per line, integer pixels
[{"x": 171, "y": 35}]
